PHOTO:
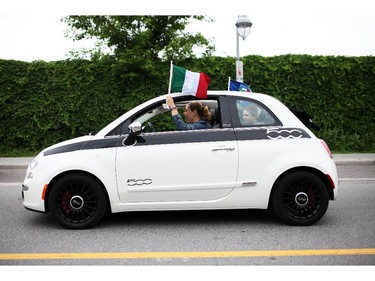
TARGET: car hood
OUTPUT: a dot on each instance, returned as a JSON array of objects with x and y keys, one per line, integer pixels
[{"x": 65, "y": 145}]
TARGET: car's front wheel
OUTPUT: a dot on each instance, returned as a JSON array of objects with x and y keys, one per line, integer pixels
[
  {"x": 77, "y": 201},
  {"x": 300, "y": 198}
]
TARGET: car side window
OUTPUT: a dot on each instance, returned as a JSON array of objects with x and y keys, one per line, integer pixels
[
  {"x": 253, "y": 114},
  {"x": 158, "y": 118},
  {"x": 161, "y": 122}
]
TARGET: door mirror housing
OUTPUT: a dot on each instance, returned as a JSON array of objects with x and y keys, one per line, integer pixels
[{"x": 135, "y": 129}]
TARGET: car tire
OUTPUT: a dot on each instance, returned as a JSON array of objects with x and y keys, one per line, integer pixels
[
  {"x": 77, "y": 201},
  {"x": 300, "y": 198}
]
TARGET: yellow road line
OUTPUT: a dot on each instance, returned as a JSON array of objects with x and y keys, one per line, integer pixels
[{"x": 178, "y": 255}]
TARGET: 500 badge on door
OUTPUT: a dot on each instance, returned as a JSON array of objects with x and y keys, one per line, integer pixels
[{"x": 133, "y": 182}]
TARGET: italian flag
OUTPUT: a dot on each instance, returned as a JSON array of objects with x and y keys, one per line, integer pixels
[{"x": 188, "y": 82}]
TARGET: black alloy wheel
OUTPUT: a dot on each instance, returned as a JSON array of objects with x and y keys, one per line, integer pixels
[
  {"x": 300, "y": 198},
  {"x": 77, "y": 201}
]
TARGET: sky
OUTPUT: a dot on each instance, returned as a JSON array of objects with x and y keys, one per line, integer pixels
[{"x": 32, "y": 30}]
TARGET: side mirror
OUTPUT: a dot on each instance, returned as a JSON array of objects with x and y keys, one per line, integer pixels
[{"x": 135, "y": 129}]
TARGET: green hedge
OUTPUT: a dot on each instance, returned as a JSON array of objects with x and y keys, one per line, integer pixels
[
  {"x": 339, "y": 92},
  {"x": 46, "y": 102}
]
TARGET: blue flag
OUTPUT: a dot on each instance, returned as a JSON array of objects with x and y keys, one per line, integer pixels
[{"x": 238, "y": 86}]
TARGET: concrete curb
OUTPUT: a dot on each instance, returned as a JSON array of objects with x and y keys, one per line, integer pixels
[
  {"x": 354, "y": 162},
  {"x": 15, "y": 162},
  {"x": 354, "y": 159},
  {"x": 13, "y": 167}
]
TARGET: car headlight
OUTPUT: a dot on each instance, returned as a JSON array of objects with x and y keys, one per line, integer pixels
[
  {"x": 32, "y": 166},
  {"x": 34, "y": 162}
]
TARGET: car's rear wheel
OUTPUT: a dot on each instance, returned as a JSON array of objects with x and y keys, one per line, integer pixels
[
  {"x": 300, "y": 198},
  {"x": 77, "y": 201}
]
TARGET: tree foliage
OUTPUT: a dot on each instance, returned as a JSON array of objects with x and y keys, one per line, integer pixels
[{"x": 141, "y": 38}]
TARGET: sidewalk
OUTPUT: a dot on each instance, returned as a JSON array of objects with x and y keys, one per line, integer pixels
[
  {"x": 15, "y": 162},
  {"x": 354, "y": 159},
  {"x": 340, "y": 159}
]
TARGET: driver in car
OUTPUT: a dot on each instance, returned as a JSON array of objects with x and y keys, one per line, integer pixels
[{"x": 197, "y": 115}]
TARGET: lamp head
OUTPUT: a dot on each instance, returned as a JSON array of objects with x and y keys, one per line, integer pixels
[{"x": 243, "y": 25}]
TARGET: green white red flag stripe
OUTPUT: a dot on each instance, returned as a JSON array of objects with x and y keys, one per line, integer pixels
[{"x": 188, "y": 82}]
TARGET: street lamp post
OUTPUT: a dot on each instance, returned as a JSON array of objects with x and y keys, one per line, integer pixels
[{"x": 243, "y": 26}]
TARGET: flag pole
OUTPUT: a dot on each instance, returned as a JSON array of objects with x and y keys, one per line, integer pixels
[
  {"x": 170, "y": 78},
  {"x": 228, "y": 83}
]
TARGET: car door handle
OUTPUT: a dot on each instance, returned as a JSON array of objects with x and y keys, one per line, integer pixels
[{"x": 223, "y": 149}]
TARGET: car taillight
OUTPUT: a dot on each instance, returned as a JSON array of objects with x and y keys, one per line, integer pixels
[
  {"x": 331, "y": 181},
  {"x": 323, "y": 143}
]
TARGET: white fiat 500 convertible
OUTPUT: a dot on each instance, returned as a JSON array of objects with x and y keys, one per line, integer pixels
[{"x": 138, "y": 163}]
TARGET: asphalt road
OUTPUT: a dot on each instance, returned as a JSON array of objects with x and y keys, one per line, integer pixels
[{"x": 344, "y": 236}]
